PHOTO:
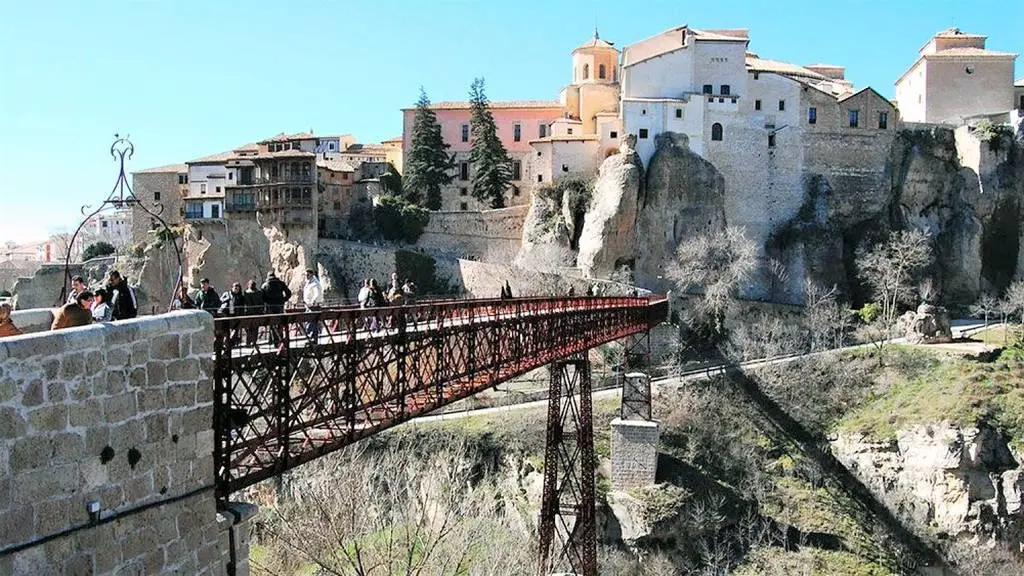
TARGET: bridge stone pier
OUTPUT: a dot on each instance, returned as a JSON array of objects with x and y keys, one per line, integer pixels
[
  {"x": 106, "y": 452},
  {"x": 635, "y": 436}
]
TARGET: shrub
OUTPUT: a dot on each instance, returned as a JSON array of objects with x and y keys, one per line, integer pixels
[
  {"x": 398, "y": 221},
  {"x": 869, "y": 312},
  {"x": 97, "y": 250}
]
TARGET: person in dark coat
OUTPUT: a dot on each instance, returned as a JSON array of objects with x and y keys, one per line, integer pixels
[
  {"x": 232, "y": 303},
  {"x": 122, "y": 297},
  {"x": 74, "y": 314},
  {"x": 207, "y": 299},
  {"x": 275, "y": 294},
  {"x": 254, "y": 306}
]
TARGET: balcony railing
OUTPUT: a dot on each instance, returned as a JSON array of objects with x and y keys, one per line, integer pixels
[{"x": 283, "y": 179}]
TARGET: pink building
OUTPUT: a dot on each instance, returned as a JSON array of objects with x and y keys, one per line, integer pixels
[{"x": 518, "y": 123}]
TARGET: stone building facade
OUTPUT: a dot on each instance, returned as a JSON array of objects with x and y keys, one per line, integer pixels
[
  {"x": 955, "y": 77},
  {"x": 164, "y": 185},
  {"x": 106, "y": 452}
]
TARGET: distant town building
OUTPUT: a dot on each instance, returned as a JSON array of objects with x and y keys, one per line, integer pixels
[
  {"x": 276, "y": 177},
  {"x": 114, "y": 228},
  {"x": 955, "y": 77},
  {"x": 336, "y": 179}
]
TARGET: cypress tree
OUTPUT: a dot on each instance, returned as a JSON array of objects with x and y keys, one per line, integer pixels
[
  {"x": 492, "y": 167},
  {"x": 428, "y": 166}
]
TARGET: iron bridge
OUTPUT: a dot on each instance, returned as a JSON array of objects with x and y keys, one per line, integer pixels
[{"x": 292, "y": 387}]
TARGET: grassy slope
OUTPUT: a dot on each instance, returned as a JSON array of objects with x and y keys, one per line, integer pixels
[{"x": 921, "y": 389}]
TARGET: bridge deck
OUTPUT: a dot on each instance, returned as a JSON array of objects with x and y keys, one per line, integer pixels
[{"x": 292, "y": 387}]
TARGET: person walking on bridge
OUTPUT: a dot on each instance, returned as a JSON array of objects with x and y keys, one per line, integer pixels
[
  {"x": 275, "y": 294},
  {"x": 122, "y": 298},
  {"x": 254, "y": 306},
  {"x": 207, "y": 299},
  {"x": 313, "y": 299}
]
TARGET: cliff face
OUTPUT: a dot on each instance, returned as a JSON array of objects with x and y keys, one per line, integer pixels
[
  {"x": 966, "y": 483},
  {"x": 608, "y": 238}
]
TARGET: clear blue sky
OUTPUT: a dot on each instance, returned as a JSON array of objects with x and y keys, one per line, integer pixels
[{"x": 189, "y": 78}]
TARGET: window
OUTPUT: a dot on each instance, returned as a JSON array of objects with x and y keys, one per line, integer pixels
[
  {"x": 215, "y": 211},
  {"x": 193, "y": 210},
  {"x": 613, "y": 134},
  {"x": 517, "y": 132},
  {"x": 182, "y": 179},
  {"x": 202, "y": 188},
  {"x": 463, "y": 191},
  {"x": 568, "y": 131},
  {"x": 756, "y": 75},
  {"x": 969, "y": 69},
  {"x": 708, "y": 89},
  {"x": 105, "y": 224},
  {"x": 540, "y": 177},
  {"x": 782, "y": 105},
  {"x": 601, "y": 72},
  {"x": 679, "y": 112},
  {"x": 586, "y": 71},
  {"x": 812, "y": 115},
  {"x": 716, "y": 132},
  {"x": 643, "y": 133},
  {"x": 517, "y": 170},
  {"x": 725, "y": 90},
  {"x": 643, "y": 112},
  {"x": 330, "y": 146},
  {"x": 515, "y": 190},
  {"x": 543, "y": 130},
  {"x": 465, "y": 132},
  {"x": 344, "y": 175},
  {"x": 854, "y": 118},
  {"x": 218, "y": 189},
  {"x": 463, "y": 170},
  {"x": 156, "y": 196},
  {"x": 463, "y": 206},
  {"x": 565, "y": 167},
  {"x": 337, "y": 205},
  {"x": 883, "y": 120},
  {"x": 771, "y": 139},
  {"x": 757, "y": 104}
]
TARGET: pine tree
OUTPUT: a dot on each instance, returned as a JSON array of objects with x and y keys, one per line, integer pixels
[
  {"x": 429, "y": 166},
  {"x": 492, "y": 168}
]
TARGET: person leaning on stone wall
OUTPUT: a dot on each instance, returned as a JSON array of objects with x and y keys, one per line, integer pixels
[
  {"x": 7, "y": 327},
  {"x": 74, "y": 314}
]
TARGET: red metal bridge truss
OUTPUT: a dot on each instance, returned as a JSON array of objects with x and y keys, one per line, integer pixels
[{"x": 292, "y": 387}]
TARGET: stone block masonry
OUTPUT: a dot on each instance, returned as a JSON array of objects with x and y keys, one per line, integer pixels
[
  {"x": 117, "y": 419},
  {"x": 634, "y": 453}
]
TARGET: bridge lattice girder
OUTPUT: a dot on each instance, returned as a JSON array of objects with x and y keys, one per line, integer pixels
[{"x": 286, "y": 397}]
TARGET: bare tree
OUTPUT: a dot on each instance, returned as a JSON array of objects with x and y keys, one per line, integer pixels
[
  {"x": 985, "y": 307},
  {"x": 825, "y": 318},
  {"x": 380, "y": 512},
  {"x": 891, "y": 268},
  {"x": 716, "y": 265}
]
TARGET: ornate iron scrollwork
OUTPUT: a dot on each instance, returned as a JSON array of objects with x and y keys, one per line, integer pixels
[{"x": 121, "y": 197}]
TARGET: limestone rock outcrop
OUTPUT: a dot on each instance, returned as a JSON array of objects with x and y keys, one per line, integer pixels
[
  {"x": 966, "y": 482},
  {"x": 608, "y": 237},
  {"x": 553, "y": 225},
  {"x": 684, "y": 196},
  {"x": 927, "y": 325}
]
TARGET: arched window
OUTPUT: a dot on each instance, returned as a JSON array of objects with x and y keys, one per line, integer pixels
[
  {"x": 586, "y": 71},
  {"x": 601, "y": 72},
  {"x": 716, "y": 131}
]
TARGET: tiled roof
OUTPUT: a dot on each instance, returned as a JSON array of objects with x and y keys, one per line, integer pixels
[
  {"x": 733, "y": 35},
  {"x": 979, "y": 52},
  {"x": 164, "y": 169},
  {"x": 271, "y": 155},
  {"x": 785, "y": 68},
  {"x": 282, "y": 137},
  {"x": 214, "y": 158},
  {"x": 510, "y": 104},
  {"x": 370, "y": 149},
  {"x": 956, "y": 33},
  {"x": 391, "y": 140},
  {"x": 334, "y": 165},
  {"x": 595, "y": 42}
]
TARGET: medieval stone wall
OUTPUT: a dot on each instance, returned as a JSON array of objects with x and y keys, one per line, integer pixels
[
  {"x": 493, "y": 235},
  {"x": 117, "y": 416}
]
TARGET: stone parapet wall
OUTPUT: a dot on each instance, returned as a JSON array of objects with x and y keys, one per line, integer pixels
[
  {"x": 34, "y": 320},
  {"x": 492, "y": 234},
  {"x": 119, "y": 415}
]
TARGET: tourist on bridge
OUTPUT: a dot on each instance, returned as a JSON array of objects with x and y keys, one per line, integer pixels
[
  {"x": 275, "y": 294},
  {"x": 122, "y": 297},
  {"x": 232, "y": 303},
  {"x": 364, "y": 294},
  {"x": 101, "y": 310},
  {"x": 254, "y": 306},
  {"x": 7, "y": 327},
  {"x": 74, "y": 314},
  {"x": 77, "y": 287},
  {"x": 207, "y": 299},
  {"x": 313, "y": 299},
  {"x": 182, "y": 301}
]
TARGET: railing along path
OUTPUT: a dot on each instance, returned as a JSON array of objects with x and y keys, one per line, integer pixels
[{"x": 293, "y": 387}]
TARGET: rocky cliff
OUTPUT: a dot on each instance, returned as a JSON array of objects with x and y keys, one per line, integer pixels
[{"x": 961, "y": 482}]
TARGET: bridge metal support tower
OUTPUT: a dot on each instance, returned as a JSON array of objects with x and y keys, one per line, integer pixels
[{"x": 568, "y": 527}]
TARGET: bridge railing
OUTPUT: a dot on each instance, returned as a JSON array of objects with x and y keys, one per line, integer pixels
[{"x": 291, "y": 387}]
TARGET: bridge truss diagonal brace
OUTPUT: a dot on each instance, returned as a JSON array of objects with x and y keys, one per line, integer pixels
[{"x": 567, "y": 529}]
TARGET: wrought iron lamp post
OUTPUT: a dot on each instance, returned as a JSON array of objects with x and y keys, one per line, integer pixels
[{"x": 122, "y": 196}]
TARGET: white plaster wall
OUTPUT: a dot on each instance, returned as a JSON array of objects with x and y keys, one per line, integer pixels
[
  {"x": 719, "y": 63},
  {"x": 910, "y": 94},
  {"x": 660, "y": 116},
  {"x": 213, "y": 175},
  {"x": 574, "y": 157},
  {"x": 669, "y": 75},
  {"x": 953, "y": 93}
]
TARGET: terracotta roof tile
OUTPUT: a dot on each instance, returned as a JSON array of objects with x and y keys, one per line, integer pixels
[
  {"x": 785, "y": 68},
  {"x": 176, "y": 168},
  {"x": 334, "y": 165}
]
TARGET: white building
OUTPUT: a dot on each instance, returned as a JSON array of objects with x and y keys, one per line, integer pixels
[
  {"x": 114, "y": 228},
  {"x": 955, "y": 77}
]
